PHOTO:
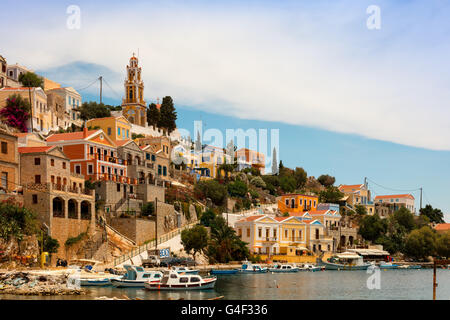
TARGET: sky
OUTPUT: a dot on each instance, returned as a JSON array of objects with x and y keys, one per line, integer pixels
[{"x": 350, "y": 101}]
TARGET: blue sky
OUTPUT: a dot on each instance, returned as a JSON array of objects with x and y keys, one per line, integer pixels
[{"x": 348, "y": 101}]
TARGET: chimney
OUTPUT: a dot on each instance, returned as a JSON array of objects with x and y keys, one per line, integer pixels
[{"x": 85, "y": 130}]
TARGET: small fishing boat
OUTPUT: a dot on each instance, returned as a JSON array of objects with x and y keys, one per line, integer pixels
[
  {"x": 283, "y": 268},
  {"x": 407, "y": 266},
  {"x": 312, "y": 267},
  {"x": 184, "y": 270},
  {"x": 172, "y": 280},
  {"x": 346, "y": 261},
  {"x": 248, "y": 267},
  {"x": 136, "y": 277},
  {"x": 388, "y": 265},
  {"x": 100, "y": 282},
  {"x": 224, "y": 271}
]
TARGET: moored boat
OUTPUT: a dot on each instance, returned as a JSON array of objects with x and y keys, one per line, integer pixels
[
  {"x": 345, "y": 261},
  {"x": 224, "y": 271},
  {"x": 136, "y": 277},
  {"x": 248, "y": 267},
  {"x": 100, "y": 282},
  {"x": 185, "y": 270},
  {"x": 311, "y": 267},
  {"x": 283, "y": 268},
  {"x": 172, "y": 280},
  {"x": 388, "y": 265}
]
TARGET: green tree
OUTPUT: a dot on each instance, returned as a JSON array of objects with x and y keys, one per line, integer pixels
[
  {"x": 300, "y": 176},
  {"x": 211, "y": 189},
  {"x": 405, "y": 219},
  {"x": 443, "y": 244},
  {"x": 51, "y": 245},
  {"x": 153, "y": 115},
  {"x": 288, "y": 184},
  {"x": 360, "y": 210},
  {"x": 372, "y": 227},
  {"x": 148, "y": 209},
  {"x": 258, "y": 182},
  {"x": 194, "y": 239},
  {"x": 433, "y": 214},
  {"x": 224, "y": 245},
  {"x": 420, "y": 243},
  {"x": 168, "y": 115},
  {"x": 92, "y": 110},
  {"x": 237, "y": 189},
  {"x": 330, "y": 195},
  {"x": 207, "y": 217},
  {"x": 31, "y": 80},
  {"x": 326, "y": 180},
  {"x": 16, "y": 221}
]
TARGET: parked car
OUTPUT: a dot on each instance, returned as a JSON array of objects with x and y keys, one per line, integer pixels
[{"x": 151, "y": 261}]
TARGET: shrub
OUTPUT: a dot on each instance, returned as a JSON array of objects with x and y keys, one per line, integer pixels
[
  {"x": 211, "y": 189},
  {"x": 148, "y": 209},
  {"x": 237, "y": 189},
  {"x": 258, "y": 182}
]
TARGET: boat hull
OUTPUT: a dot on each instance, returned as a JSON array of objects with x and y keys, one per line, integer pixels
[
  {"x": 95, "y": 282},
  {"x": 283, "y": 271},
  {"x": 176, "y": 287},
  {"x": 253, "y": 271},
  {"x": 224, "y": 271},
  {"x": 127, "y": 283},
  {"x": 337, "y": 266}
]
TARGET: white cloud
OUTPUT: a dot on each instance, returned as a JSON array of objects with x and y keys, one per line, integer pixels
[{"x": 314, "y": 66}]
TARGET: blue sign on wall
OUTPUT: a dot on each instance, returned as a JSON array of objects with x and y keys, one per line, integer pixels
[{"x": 164, "y": 253}]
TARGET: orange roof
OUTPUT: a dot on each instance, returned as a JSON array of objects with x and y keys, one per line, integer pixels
[
  {"x": 318, "y": 212},
  {"x": 122, "y": 142},
  {"x": 442, "y": 227},
  {"x": 15, "y": 88},
  {"x": 35, "y": 149},
  {"x": 251, "y": 218},
  {"x": 395, "y": 196},
  {"x": 297, "y": 195},
  {"x": 281, "y": 218},
  {"x": 350, "y": 186},
  {"x": 69, "y": 136},
  {"x": 21, "y": 134}
]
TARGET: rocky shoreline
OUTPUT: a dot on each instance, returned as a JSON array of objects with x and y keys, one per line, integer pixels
[{"x": 26, "y": 283}]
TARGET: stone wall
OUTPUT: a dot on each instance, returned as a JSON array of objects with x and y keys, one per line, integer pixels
[
  {"x": 150, "y": 192},
  {"x": 138, "y": 230},
  {"x": 63, "y": 228}
]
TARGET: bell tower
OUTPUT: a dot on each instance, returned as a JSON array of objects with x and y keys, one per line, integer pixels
[{"x": 133, "y": 105}]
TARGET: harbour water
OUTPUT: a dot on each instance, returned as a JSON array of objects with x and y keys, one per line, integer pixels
[{"x": 332, "y": 285}]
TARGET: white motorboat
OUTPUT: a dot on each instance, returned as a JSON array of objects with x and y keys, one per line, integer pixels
[
  {"x": 172, "y": 280},
  {"x": 311, "y": 267},
  {"x": 248, "y": 267},
  {"x": 346, "y": 261},
  {"x": 184, "y": 270},
  {"x": 283, "y": 268},
  {"x": 136, "y": 277}
]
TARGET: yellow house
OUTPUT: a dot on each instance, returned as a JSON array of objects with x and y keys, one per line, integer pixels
[
  {"x": 297, "y": 203},
  {"x": 116, "y": 128},
  {"x": 293, "y": 238}
]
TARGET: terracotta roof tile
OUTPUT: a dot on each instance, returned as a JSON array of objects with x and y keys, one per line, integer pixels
[
  {"x": 395, "y": 196},
  {"x": 442, "y": 227},
  {"x": 69, "y": 136},
  {"x": 35, "y": 149}
]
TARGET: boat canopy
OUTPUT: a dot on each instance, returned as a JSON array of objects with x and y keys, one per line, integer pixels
[
  {"x": 369, "y": 252},
  {"x": 348, "y": 256}
]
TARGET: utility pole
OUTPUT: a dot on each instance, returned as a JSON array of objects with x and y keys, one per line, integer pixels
[
  {"x": 420, "y": 198},
  {"x": 101, "y": 84},
  {"x": 156, "y": 223}
]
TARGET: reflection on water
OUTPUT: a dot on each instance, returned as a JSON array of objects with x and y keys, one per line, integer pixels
[{"x": 395, "y": 284}]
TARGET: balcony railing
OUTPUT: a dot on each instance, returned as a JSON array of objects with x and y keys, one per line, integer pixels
[
  {"x": 102, "y": 157},
  {"x": 270, "y": 239},
  {"x": 117, "y": 178},
  {"x": 295, "y": 239}
]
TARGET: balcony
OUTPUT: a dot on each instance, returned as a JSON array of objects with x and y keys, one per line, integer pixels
[
  {"x": 102, "y": 157},
  {"x": 270, "y": 239},
  {"x": 295, "y": 239},
  {"x": 117, "y": 178}
]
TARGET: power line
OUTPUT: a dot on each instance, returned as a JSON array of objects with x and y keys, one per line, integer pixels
[
  {"x": 111, "y": 88},
  {"x": 87, "y": 85},
  {"x": 392, "y": 189}
]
